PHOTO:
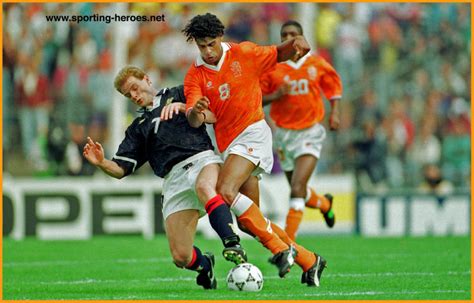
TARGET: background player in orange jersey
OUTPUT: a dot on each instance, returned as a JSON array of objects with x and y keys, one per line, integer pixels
[
  {"x": 224, "y": 81},
  {"x": 294, "y": 89}
]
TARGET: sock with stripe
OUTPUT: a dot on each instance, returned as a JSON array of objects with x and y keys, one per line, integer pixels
[
  {"x": 221, "y": 221},
  {"x": 314, "y": 200},
  {"x": 198, "y": 263},
  {"x": 294, "y": 217}
]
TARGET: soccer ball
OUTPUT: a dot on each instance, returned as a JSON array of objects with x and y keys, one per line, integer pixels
[{"x": 245, "y": 277}]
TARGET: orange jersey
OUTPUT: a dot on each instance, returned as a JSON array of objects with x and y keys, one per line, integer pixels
[
  {"x": 303, "y": 106},
  {"x": 233, "y": 87}
]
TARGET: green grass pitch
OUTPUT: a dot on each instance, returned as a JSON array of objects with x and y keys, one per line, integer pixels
[{"x": 131, "y": 268}]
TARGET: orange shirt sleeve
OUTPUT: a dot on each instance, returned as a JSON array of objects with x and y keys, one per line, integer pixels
[
  {"x": 192, "y": 87},
  {"x": 265, "y": 57},
  {"x": 267, "y": 83},
  {"x": 330, "y": 82}
]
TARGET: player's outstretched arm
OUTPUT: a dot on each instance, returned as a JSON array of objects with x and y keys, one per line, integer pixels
[
  {"x": 94, "y": 153},
  {"x": 293, "y": 49},
  {"x": 334, "y": 115}
]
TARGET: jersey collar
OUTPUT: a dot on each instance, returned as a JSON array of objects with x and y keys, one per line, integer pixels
[
  {"x": 156, "y": 101},
  {"x": 157, "y": 98},
  {"x": 299, "y": 63},
  {"x": 200, "y": 61}
]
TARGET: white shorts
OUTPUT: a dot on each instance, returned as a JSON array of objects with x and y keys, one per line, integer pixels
[
  {"x": 291, "y": 144},
  {"x": 179, "y": 185},
  {"x": 255, "y": 145}
]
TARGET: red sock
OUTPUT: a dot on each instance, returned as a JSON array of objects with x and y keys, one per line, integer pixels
[{"x": 221, "y": 220}]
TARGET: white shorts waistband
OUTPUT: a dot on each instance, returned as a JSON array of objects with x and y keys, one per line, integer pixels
[{"x": 191, "y": 159}]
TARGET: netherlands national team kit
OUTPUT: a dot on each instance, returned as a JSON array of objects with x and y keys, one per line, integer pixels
[{"x": 232, "y": 87}]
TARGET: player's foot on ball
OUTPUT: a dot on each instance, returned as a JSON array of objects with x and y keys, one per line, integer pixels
[
  {"x": 235, "y": 254},
  {"x": 329, "y": 216},
  {"x": 313, "y": 275},
  {"x": 207, "y": 279},
  {"x": 284, "y": 260}
]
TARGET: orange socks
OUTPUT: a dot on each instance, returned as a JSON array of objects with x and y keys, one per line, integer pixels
[
  {"x": 294, "y": 217},
  {"x": 268, "y": 233},
  {"x": 293, "y": 221},
  {"x": 314, "y": 200},
  {"x": 250, "y": 216},
  {"x": 305, "y": 259},
  {"x": 295, "y": 214}
]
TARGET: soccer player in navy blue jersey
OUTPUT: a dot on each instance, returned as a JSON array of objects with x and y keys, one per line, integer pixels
[{"x": 184, "y": 157}]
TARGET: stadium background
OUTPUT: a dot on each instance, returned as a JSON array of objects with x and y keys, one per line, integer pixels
[{"x": 406, "y": 70}]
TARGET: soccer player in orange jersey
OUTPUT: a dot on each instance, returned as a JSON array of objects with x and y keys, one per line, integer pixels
[
  {"x": 297, "y": 108},
  {"x": 224, "y": 81}
]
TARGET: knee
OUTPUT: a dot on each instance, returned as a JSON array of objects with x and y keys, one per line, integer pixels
[
  {"x": 205, "y": 190},
  {"x": 227, "y": 191},
  {"x": 298, "y": 189},
  {"x": 181, "y": 257}
]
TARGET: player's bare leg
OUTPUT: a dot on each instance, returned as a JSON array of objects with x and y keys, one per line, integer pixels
[
  {"x": 304, "y": 167},
  {"x": 251, "y": 189},
  {"x": 301, "y": 195},
  {"x": 234, "y": 173},
  {"x": 180, "y": 230},
  {"x": 206, "y": 182},
  {"x": 219, "y": 214}
]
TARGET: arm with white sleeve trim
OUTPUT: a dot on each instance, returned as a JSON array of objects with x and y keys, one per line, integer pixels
[{"x": 94, "y": 153}]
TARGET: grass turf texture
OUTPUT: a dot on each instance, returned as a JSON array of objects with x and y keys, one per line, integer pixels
[{"x": 132, "y": 268}]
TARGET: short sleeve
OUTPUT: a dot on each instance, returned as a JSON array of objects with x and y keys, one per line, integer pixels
[
  {"x": 330, "y": 82},
  {"x": 131, "y": 153},
  {"x": 266, "y": 84},
  {"x": 192, "y": 88}
]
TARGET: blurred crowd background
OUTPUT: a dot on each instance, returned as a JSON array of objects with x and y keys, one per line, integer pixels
[{"x": 405, "y": 112}]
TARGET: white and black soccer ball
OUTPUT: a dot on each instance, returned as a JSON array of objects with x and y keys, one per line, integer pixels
[{"x": 245, "y": 277}]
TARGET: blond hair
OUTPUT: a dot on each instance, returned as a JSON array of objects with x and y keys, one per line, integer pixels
[{"x": 125, "y": 73}]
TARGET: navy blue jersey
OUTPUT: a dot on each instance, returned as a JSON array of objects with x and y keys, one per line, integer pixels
[{"x": 162, "y": 143}]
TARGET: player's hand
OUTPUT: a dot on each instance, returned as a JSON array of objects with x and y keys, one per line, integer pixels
[
  {"x": 301, "y": 46},
  {"x": 284, "y": 89},
  {"x": 93, "y": 152},
  {"x": 172, "y": 109},
  {"x": 201, "y": 105},
  {"x": 334, "y": 121}
]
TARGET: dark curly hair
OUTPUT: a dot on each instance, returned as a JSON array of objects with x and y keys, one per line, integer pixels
[
  {"x": 202, "y": 26},
  {"x": 292, "y": 23}
]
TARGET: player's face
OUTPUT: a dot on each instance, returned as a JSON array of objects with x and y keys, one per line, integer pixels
[
  {"x": 138, "y": 91},
  {"x": 210, "y": 49},
  {"x": 289, "y": 32}
]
